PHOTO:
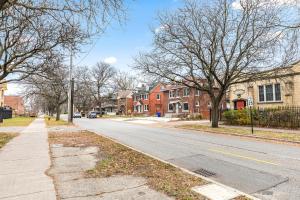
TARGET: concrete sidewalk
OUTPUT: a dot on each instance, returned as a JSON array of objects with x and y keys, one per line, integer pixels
[{"x": 23, "y": 164}]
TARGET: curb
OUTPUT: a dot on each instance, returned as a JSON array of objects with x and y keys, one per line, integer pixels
[{"x": 182, "y": 169}]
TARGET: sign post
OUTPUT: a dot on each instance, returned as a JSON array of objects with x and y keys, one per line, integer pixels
[{"x": 250, "y": 104}]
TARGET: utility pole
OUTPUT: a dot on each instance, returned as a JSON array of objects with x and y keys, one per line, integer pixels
[{"x": 70, "y": 92}]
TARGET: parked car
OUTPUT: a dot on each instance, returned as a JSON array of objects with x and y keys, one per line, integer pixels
[
  {"x": 77, "y": 115},
  {"x": 92, "y": 114}
]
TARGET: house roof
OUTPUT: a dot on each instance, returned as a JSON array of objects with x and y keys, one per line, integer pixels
[{"x": 124, "y": 94}]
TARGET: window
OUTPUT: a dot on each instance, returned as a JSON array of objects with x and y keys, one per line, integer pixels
[
  {"x": 186, "y": 92},
  {"x": 171, "y": 107},
  {"x": 146, "y": 107},
  {"x": 197, "y": 93},
  {"x": 172, "y": 94},
  {"x": 269, "y": 93},
  {"x": 197, "y": 103},
  {"x": 185, "y": 106},
  {"x": 146, "y": 96},
  {"x": 158, "y": 96},
  {"x": 277, "y": 92},
  {"x": 261, "y": 93}
]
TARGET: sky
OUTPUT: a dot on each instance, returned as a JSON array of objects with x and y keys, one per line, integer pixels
[{"x": 121, "y": 43}]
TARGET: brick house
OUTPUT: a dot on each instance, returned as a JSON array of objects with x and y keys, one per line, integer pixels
[
  {"x": 124, "y": 102},
  {"x": 16, "y": 103},
  {"x": 156, "y": 100},
  {"x": 141, "y": 100},
  {"x": 181, "y": 100}
]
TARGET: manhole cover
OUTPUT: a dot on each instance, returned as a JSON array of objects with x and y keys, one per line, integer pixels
[{"x": 205, "y": 173}]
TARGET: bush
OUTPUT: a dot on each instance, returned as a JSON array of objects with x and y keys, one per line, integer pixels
[{"x": 237, "y": 117}]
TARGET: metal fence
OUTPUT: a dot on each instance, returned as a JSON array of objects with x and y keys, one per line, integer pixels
[
  {"x": 277, "y": 117},
  {"x": 283, "y": 116}
]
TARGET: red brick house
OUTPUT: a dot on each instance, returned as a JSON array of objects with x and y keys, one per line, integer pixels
[
  {"x": 181, "y": 100},
  {"x": 156, "y": 100},
  {"x": 16, "y": 103},
  {"x": 141, "y": 100}
]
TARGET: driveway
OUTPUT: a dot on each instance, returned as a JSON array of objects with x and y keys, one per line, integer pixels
[{"x": 265, "y": 170}]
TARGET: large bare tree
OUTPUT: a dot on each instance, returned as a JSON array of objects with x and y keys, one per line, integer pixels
[
  {"x": 31, "y": 30},
  {"x": 213, "y": 46},
  {"x": 51, "y": 87},
  {"x": 102, "y": 85}
]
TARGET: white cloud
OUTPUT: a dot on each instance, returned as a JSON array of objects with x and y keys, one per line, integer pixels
[
  {"x": 160, "y": 28},
  {"x": 110, "y": 60}
]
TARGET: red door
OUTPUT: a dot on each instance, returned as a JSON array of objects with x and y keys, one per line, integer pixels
[{"x": 240, "y": 104}]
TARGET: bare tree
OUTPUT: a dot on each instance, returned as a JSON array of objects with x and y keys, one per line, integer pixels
[
  {"x": 124, "y": 81},
  {"x": 102, "y": 75},
  {"x": 50, "y": 88},
  {"x": 31, "y": 30},
  {"x": 83, "y": 96},
  {"x": 211, "y": 47}
]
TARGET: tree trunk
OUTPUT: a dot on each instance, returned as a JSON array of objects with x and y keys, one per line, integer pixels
[
  {"x": 57, "y": 112},
  {"x": 215, "y": 114},
  {"x": 100, "y": 108}
]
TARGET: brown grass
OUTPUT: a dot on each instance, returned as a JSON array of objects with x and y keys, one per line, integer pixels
[
  {"x": 5, "y": 138},
  {"x": 17, "y": 121},
  {"x": 121, "y": 160},
  {"x": 268, "y": 135},
  {"x": 51, "y": 121}
]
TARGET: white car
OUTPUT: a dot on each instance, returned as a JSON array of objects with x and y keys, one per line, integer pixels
[{"x": 77, "y": 115}]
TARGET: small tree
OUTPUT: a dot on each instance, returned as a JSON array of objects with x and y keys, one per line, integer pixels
[{"x": 211, "y": 47}]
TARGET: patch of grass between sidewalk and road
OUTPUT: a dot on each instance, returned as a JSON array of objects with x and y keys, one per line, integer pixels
[
  {"x": 17, "y": 121},
  {"x": 120, "y": 160},
  {"x": 5, "y": 138},
  {"x": 51, "y": 121},
  {"x": 260, "y": 134}
]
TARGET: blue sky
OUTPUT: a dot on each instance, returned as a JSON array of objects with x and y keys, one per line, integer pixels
[{"x": 125, "y": 41}]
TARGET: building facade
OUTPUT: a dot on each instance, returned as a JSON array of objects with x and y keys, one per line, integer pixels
[
  {"x": 280, "y": 88},
  {"x": 16, "y": 103},
  {"x": 181, "y": 100},
  {"x": 3, "y": 88},
  {"x": 141, "y": 100}
]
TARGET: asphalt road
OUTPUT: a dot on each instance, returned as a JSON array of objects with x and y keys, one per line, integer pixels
[{"x": 265, "y": 170}]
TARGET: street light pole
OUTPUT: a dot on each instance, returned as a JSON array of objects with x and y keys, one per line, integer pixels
[{"x": 70, "y": 95}]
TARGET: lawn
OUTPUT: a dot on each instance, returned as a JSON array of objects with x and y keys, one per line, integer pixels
[
  {"x": 5, "y": 138},
  {"x": 51, "y": 121},
  {"x": 121, "y": 160},
  {"x": 287, "y": 137},
  {"x": 17, "y": 121}
]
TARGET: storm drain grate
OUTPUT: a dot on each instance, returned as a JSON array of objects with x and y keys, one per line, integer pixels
[{"x": 204, "y": 172}]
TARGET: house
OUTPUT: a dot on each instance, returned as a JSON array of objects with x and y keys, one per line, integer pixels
[
  {"x": 156, "y": 100},
  {"x": 280, "y": 87},
  {"x": 16, "y": 103},
  {"x": 124, "y": 102},
  {"x": 141, "y": 100},
  {"x": 109, "y": 106},
  {"x": 181, "y": 100}
]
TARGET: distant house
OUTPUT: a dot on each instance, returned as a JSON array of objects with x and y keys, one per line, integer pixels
[
  {"x": 141, "y": 100},
  {"x": 124, "y": 102},
  {"x": 280, "y": 88},
  {"x": 16, "y": 103},
  {"x": 182, "y": 100}
]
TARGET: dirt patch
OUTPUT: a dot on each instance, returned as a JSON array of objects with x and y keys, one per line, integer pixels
[{"x": 118, "y": 160}]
